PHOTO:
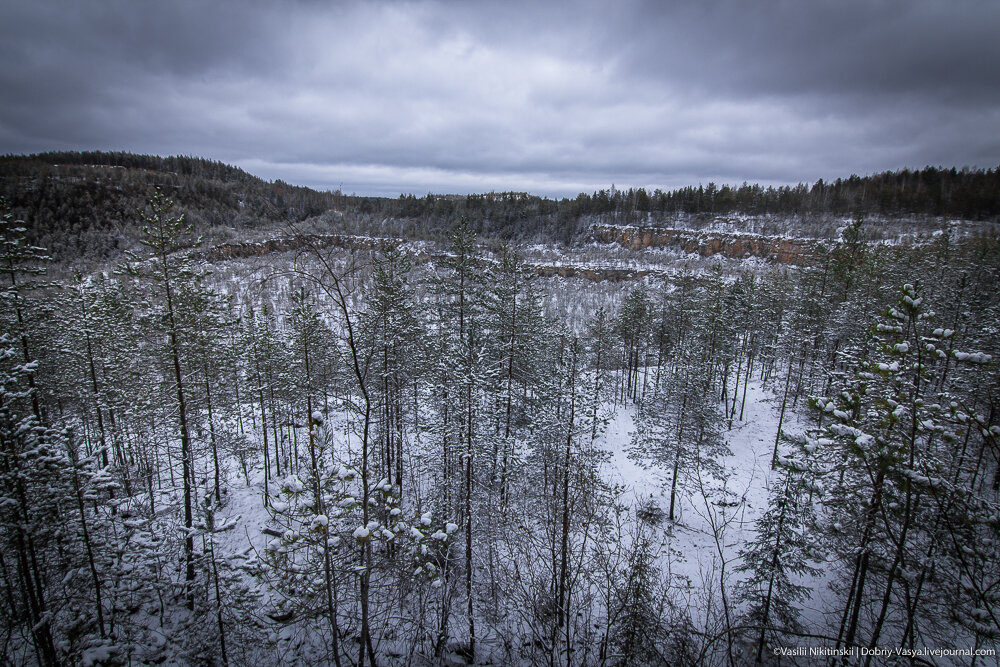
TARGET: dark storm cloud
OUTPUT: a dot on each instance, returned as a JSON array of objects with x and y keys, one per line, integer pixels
[
  {"x": 551, "y": 98},
  {"x": 835, "y": 48}
]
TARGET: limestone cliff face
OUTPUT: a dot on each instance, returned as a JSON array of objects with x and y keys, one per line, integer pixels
[
  {"x": 239, "y": 250},
  {"x": 234, "y": 250},
  {"x": 785, "y": 251},
  {"x": 593, "y": 274},
  {"x": 706, "y": 244}
]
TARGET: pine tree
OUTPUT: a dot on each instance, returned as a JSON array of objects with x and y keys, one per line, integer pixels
[
  {"x": 780, "y": 552},
  {"x": 177, "y": 285},
  {"x": 392, "y": 332},
  {"x": 513, "y": 347},
  {"x": 638, "y": 632},
  {"x": 22, "y": 434},
  {"x": 265, "y": 357},
  {"x": 22, "y": 438},
  {"x": 633, "y": 327},
  {"x": 598, "y": 348},
  {"x": 891, "y": 439},
  {"x": 462, "y": 372},
  {"x": 679, "y": 427}
]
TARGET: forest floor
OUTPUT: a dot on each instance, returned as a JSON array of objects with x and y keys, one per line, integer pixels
[
  {"x": 714, "y": 518},
  {"x": 697, "y": 555}
]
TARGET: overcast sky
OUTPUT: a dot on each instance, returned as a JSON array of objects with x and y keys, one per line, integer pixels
[{"x": 551, "y": 98}]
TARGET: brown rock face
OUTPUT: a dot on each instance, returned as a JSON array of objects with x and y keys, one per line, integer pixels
[
  {"x": 706, "y": 244},
  {"x": 593, "y": 274},
  {"x": 233, "y": 250},
  {"x": 780, "y": 250}
]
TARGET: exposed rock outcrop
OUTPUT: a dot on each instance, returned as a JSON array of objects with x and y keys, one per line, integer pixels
[
  {"x": 235, "y": 250},
  {"x": 706, "y": 244}
]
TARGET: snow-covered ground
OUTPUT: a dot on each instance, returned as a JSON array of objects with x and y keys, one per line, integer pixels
[
  {"x": 698, "y": 554},
  {"x": 690, "y": 554}
]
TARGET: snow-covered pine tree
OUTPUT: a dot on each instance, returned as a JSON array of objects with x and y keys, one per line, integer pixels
[
  {"x": 27, "y": 596},
  {"x": 340, "y": 288},
  {"x": 207, "y": 322},
  {"x": 315, "y": 549},
  {"x": 104, "y": 332},
  {"x": 263, "y": 364},
  {"x": 176, "y": 287},
  {"x": 597, "y": 342},
  {"x": 633, "y": 325},
  {"x": 780, "y": 553},
  {"x": 745, "y": 296},
  {"x": 21, "y": 434},
  {"x": 890, "y": 440},
  {"x": 713, "y": 329},
  {"x": 461, "y": 373},
  {"x": 679, "y": 426},
  {"x": 392, "y": 331},
  {"x": 51, "y": 529},
  {"x": 516, "y": 349},
  {"x": 545, "y": 533}
]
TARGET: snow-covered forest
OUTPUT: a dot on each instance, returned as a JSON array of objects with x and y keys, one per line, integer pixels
[{"x": 398, "y": 455}]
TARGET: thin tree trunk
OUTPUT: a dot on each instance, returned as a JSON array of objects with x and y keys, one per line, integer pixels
[
  {"x": 781, "y": 417},
  {"x": 853, "y": 609},
  {"x": 774, "y": 569},
  {"x": 99, "y": 607},
  {"x": 97, "y": 401},
  {"x": 677, "y": 457},
  {"x": 468, "y": 514},
  {"x": 563, "y": 615},
  {"x": 746, "y": 381},
  {"x": 218, "y": 605},
  {"x": 263, "y": 428},
  {"x": 186, "y": 458},
  {"x": 211, "y": 436}
]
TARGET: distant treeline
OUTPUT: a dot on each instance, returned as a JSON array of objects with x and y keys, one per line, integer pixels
[
  {"x": 966, "y": 194},
  {"x": 87, "y": 203}
]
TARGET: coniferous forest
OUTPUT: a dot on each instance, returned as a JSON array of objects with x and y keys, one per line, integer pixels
[{"x": 435, "y": 444}]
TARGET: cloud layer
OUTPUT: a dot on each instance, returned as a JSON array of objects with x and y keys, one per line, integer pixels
[{"x": 390, "y": 97}]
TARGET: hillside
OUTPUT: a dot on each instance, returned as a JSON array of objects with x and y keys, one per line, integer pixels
[{"x": 86, "y": 205}]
